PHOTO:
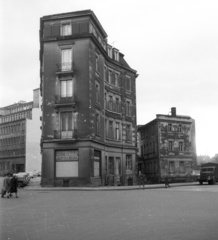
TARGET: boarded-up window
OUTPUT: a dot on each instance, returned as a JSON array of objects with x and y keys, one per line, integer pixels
[{"x": 67, "y": 163}]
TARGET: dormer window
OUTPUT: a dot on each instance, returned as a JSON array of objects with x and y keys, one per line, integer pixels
[
  {"x": 109, "y": 51},
  {"x": 116, "y": 55},
  {"x": 66, "y": 29}
]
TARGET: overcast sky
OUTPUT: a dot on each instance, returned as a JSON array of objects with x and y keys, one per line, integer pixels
[{"x": 172, "y": 44}]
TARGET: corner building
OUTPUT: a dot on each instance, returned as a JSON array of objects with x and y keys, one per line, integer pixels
[
  {"x": 88, "y": 104},
  {"x": 167, "y": 147}
]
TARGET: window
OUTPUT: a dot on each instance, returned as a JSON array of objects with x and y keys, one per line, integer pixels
[
  {"x": 117, "y": 80},
  {"x": 109, "y": 51},
  {"x": 181, "y": 167},
  {"x": 105, "y": 74},
  {"x": 67, "y": 163},
  {"x": 128, "y": 162},
  {"x": 97, "y": 123},
  {"x": 172, "y": 166},
  {"x": 66, "y": 124},
  {"x": 170, "y": 146},
  {"x": 181, "y": 146},
  {"x": 97, "y": 92},
  {"x": 128, "y": 108},
  {"x": 66, "y": 29},
  {"x": 66, "y": 88},
  {"x": 97, "y": 160},
  {"x": 128, "y": 83},
  {"x": 97, "y": 63},
  {"x": 66, "y": 59},
  {"x": 110, "y": 76},
  {"x": 111, "y": 165},
  {"x": 116, "y": 55},
  {"x": 169, "y": 127},
  {"x": 110, "y": 129},
  {"x": 117, "y": 105},
  {"x": 117, "y": 131},
  {"x": 128, "y": 132},
  {"x": 110, "y": 103},
  {"x": 180, "y": 128}
]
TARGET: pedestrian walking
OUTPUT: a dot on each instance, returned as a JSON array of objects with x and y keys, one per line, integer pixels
[
  {"x": 14, "y": 185},
  {"x": 6, "y": 186},
  {"x": 142, "y": 179},
  {"x": 167, "y": 182}
]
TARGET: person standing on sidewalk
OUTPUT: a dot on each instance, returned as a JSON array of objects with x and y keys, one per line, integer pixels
[
  {"x": 142, "y": 179},
  {"x": 167, "y": 181},
  {"x": 14, "y": 185},
  {"x": 6, "y": 186}
]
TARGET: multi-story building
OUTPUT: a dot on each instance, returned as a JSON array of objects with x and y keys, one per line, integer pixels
[
  {"x": 20, "y": 136},
  {"x": 167, "y": 147},
  {"x": 88, "y": 102}
]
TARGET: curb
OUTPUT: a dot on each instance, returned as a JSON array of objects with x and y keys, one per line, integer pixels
[{"x": 111, "y": 188}]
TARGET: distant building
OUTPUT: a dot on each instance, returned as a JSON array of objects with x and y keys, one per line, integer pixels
[
  {"x": 20, "y": 136},
  {"x": 167, "y": 147},
  {"x": 88, "y": 102}
]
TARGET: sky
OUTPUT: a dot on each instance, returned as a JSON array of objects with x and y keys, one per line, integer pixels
[{"x": 173, "y": 45}]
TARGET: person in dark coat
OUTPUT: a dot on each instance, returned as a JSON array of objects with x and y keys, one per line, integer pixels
[
  {"x": 14, "y": 184},
  {"x": 6, "y": 185},
  {"x": 167, "y": 182}
]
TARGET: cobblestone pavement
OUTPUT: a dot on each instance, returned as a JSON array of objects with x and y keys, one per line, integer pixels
[{"x": 177, "y": 213}]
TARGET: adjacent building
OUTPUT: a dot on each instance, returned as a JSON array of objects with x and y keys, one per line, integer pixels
[
  {"x": 88, "y": 103},
  {"x": 167, "y": 147},
  {"x": 20, "y": 136}
]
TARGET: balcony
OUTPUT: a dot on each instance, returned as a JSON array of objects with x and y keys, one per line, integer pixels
[
  {"x": 59, "y": 134},
  {"x": 64, "y": 101},
  {"x": 65, "y": 68}
]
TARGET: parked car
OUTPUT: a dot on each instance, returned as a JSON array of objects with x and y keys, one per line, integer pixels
[{"x": 23, "y": 179}]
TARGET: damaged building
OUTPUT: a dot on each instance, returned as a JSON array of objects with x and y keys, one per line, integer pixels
[
  {"x": 167, "y": 147},
  {"x": 88, "y": 103}
]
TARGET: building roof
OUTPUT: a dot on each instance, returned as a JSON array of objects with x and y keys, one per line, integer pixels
[{"x": 77, "y": 14}]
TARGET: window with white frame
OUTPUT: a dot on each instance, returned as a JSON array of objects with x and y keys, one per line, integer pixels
[
  {"x": 66, "y": 29},
  {"x": 66, "y": 88},
  {"x": 169, "y": 127},
  {"x": 66, "y": 59}
]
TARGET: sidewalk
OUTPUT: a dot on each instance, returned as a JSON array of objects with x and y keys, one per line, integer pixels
[{"x": 34, "y": 185}]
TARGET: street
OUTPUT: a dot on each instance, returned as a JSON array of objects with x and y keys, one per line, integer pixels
[{"x": 179, "y": 212}]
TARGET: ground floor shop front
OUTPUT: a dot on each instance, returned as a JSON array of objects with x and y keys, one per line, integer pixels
[{"x": 87, "y": 164}]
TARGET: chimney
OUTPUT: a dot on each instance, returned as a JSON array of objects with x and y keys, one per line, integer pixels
[{"x": 173, "y": 111}]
